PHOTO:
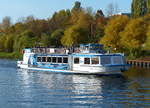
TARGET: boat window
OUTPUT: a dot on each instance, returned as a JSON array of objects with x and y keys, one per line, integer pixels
[
  {"x": 48, "y": 59},
  {"x": 54, "y": 59},
  {"x": 43, "y": 59},
  {"x": 95, "y": 60},
  {"x": 86, "y": 60},
  {"x": 38, "y": 59},
  {"x": 117, "y": 60},
  {"x": 76, "y": 60},
  {"x": 105, "y": 60},
  {"x": 65, "y": 60},
  {"x": 59, "y": 60}
]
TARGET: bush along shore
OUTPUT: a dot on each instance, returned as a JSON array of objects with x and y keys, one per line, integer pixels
[{"x": 4, "y": 55}]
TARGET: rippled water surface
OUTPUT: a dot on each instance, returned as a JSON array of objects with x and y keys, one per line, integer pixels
[{"x": 32, "y": 89}]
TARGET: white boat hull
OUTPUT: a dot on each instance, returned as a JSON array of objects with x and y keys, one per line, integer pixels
[{"x": 100, "y": 70}]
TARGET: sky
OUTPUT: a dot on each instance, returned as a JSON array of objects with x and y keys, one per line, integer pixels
[{"x": 44, "y": 9}]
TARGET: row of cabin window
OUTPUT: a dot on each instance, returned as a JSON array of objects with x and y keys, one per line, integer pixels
[
  {"x": 87, "y": 60},
  {"x": 102, "y": 60},
  {"x": 53, "y": 59}
]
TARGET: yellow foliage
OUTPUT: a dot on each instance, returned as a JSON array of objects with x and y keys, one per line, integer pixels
[
  {"x": 134, "y": 34},
  {"x": 79, "y": 32},
  {"x": 112, "y": 31},
  {"x": 147, "y": 42}
]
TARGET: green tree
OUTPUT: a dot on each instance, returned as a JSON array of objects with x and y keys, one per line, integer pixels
[
  {"x": 79, "y": 32},
  {"x": 20, "y": 27},
  {"x": 147, "y": 42},
  {"x": 99, "y": 26},
  {"x": 6, "y": 23},
  {"x": 77, "y": 6},
  {"x": 59, "y": 20},
  {"x": 9, "y": 43},
  {"x": 74, "y": 36},
  {"x": 139, "y": 8},
  {"x": 45, "y": 40},
  {"x": 148, "y": 6},
  {"x": 56, "y": 37},
  {"x": 24, "y": 40},
  {"x": 2, "y": 42}
]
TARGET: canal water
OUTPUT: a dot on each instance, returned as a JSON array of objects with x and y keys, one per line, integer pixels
[{"x": 32, "y": 89}]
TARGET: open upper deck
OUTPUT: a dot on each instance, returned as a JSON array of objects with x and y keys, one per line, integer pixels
[
  {"x": 91, "y": 48},
  {"x": 84, "y": 48},
  {"x": 46, "y": 50}
]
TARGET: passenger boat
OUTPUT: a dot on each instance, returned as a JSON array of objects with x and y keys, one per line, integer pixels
[{"x": 87, "y": 59}]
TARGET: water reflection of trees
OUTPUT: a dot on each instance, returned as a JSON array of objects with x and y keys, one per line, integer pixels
[
  {"x": 138, "y": 86},
  {"x": 135, "y": 72}
]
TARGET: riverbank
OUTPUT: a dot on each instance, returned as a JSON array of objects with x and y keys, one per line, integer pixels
[{"x": 5, "y": 55}]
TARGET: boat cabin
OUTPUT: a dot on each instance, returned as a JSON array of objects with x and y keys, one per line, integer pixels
[
  {"x": 91, "y": 48},
  {"x": 96, "y": 61}
]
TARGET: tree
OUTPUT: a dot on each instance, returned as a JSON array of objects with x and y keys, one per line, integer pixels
[
  {"x": 20, "y": 27},
  {"x": 56, "y": 37},
  {"x": 112, "y": 32},
  {"x": 89, "y": 10},
  {"x": 148, "y": 6},
  {"x": 99, "y": 24},
  {"x": 73, "y": 36},
  {"x": 77, "y": 7},
  {"x": 24, "y": 40},
  {"x": 98, "y": 31},
  {"x": 80, "y": 32},
  {"x": 147, "y": 42},
  {"x": 2, "y": 42},
  {"x": 6, "y": 23},
  {"x": 76, "y": 10},
  {"x": 9, "y": 43},
  {"x": 59, "y": 20},
  {"x": 29, "y": 19},
  {"x": 99, "y": 14},
  {"x": 134, "y": 35},
  {"x": 38, "y": 30},
  {"x": 45, "y": 40},
  {"x": 139, "y": 8}
]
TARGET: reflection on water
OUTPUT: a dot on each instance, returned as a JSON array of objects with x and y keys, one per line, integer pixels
[{"x": 36, "y": 89}]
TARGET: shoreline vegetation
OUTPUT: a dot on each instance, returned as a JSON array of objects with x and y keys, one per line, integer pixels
[
  {"x": 123, "y": 33},
  {"x": 6, "y": 55}
]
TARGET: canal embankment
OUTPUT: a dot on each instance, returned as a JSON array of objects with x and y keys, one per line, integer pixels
[{"x": 145, "y": 63}]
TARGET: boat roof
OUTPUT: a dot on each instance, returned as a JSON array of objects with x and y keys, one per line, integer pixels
[
  {"x": 50, "y": 54},
  {"x": 97, "y": 54},
  {"x": 90, "y": 44}
]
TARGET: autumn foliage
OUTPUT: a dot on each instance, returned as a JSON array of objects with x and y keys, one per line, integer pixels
[{"x": 67, "y": 28}]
